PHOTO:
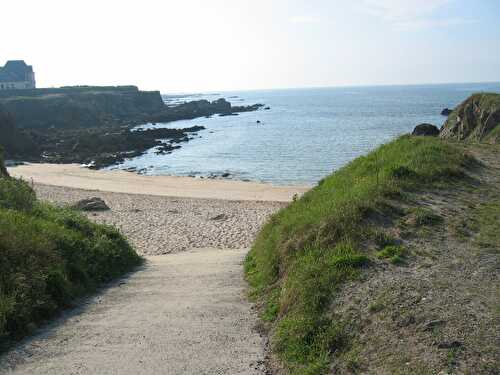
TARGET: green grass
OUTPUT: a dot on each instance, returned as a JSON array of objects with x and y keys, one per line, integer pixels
[
  {"x": 48, "y": 257},
  {"x": 423, "y": 216},
  {"x": 394, "y": 253},
  {"x": 309, "y": 249},
  {"x": 486, "y": 222}
]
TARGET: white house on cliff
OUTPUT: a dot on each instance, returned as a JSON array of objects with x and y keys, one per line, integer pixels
[{"x": 17, "y": 75}]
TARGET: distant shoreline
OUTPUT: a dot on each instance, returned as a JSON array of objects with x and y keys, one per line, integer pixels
[{"x": 75, "y": 176}]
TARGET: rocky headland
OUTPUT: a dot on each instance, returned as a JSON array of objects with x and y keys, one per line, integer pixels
[
  {"x": 95, "y": 125},
  {"x": 477, "y": 119}
]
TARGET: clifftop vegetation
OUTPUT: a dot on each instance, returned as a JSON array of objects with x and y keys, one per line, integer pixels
[{"x": 317, "y": 266}]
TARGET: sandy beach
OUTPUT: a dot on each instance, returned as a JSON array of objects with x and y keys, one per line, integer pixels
[
  {"x": 74, "y": 176},
  {"x": 158, "y": 225},
  {"x": 162, "y": 214}
]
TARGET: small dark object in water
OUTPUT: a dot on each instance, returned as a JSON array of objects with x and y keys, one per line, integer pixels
[
  {"x": 446, "y": 112},
  {"x": 258, "y": 122}
]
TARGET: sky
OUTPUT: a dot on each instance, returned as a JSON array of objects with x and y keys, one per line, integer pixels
[{"x": 220, "y": 45}]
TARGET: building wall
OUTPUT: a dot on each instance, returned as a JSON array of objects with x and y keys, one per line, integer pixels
[{"x": 17, "y": 85}]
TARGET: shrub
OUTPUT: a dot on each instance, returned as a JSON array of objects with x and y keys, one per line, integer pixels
[
  {"x": 16, "y": 195},
  {"x": 48, "y": 257}
]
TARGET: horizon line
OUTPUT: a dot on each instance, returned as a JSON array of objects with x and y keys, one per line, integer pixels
[{"x": 214, "y": 92}]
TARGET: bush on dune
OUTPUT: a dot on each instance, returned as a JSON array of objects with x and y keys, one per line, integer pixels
[
  {"x": 307, "y": 250},
  {"x": 48, "y": 257}
]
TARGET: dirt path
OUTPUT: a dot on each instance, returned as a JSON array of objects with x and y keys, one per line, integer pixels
[{"x": 182, "y": 313}]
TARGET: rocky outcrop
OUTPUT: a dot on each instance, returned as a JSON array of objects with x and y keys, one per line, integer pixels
[
  {"x": 74, "y": 107},
  {"x": 477, "y": 119},
  {"x": 426, "y": 130},
  {"x": 94, "y": 125},
  {"x": 95, "y": 107},
  {"x": 91, "y": 204},
  {"x": 3, "y": 170},
  {"x": 15, "y": 142},
  {"x": 98, "y": 147},
  {"x": 446, "y": 112},
  {"x": 200, "y": 108}
]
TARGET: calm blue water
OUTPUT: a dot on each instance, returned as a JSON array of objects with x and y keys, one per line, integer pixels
[{"x": 307, "y": 134}]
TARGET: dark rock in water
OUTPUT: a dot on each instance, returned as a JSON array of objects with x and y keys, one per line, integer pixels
[
  {"x": 267, "y": 108},
  {"x": 200, "y": 108},
  {"x": 477, "y": 119},
  {"x": 91, "y": 204},
  {"x": 446, "y": 112},
  {"x": 225, "y": 175},
  {"x": 258, "y": 121},
  {"x": 426, "y": 129}
]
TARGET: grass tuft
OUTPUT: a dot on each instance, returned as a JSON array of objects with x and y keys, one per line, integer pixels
[
  {"x": 395, "y": 254},
  {"x": 420, "y": 216}
]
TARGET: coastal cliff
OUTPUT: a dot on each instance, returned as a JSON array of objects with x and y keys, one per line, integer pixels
[
  {"x": 14, "y": 141},
  {"x": 3, "y": 170},
  {"x": 84, "y": 106},
  {"x": 477, "y": 119},
  {"x": 94, "y": 107},
  {"x": 93, "y": 125}
]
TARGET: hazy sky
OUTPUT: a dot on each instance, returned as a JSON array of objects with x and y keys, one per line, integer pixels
[{"x": 199, "y": 45}]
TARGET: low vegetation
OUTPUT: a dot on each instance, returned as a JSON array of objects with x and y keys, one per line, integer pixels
[
  {"x": 48, "y": 257},
  {"x": 307, "y": 251}
]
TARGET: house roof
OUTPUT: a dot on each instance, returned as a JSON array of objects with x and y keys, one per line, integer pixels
[{"x": 15, "y": 70}]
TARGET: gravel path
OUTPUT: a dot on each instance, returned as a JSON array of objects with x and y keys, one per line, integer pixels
[
  {"x": 182, "y": 313},
  {"x": 160, "y": 225}
]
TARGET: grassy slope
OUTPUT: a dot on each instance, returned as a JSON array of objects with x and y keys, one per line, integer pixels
[
  {"x": 309, "y": 249},
  {"x": 48, "y": 257}
]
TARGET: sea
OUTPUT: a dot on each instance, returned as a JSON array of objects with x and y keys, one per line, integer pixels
[{"x": 305, "y": 135}]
